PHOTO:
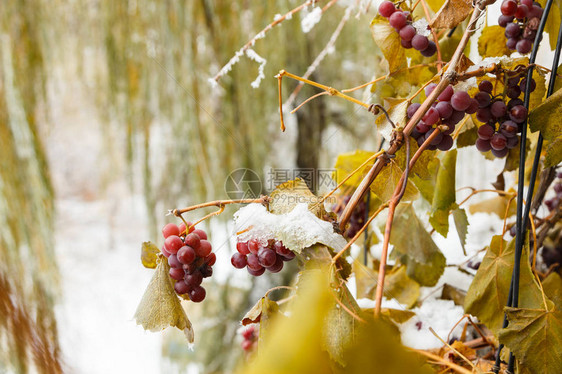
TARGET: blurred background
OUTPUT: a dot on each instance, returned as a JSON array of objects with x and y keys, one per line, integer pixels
[{"x": 107, "y": 120}]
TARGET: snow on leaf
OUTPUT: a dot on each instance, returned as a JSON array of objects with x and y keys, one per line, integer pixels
[
  {"x": 461, "y": 224},
  {"x": 487, "y": 295},
  {"x": 388, "y": 41},
  {"x": 492, "y": 42},
  {"x": 451, "y": 14},
  {"x": 289, "y": 194},
  {"x": 298, "y": 229},
  {"x": 444, "y": 194},
  {"x": 535, "y": 338},
  {"x": 414, "y": 247},
  {"x": 149, "y": 255},
  {"x": 160, "y": 307}
]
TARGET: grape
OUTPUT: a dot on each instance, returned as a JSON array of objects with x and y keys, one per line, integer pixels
[
  {"x": 173, "y": 243},
  {"x": 266, "y": 257},
  {"x": 445, "y": 109},
  {"x": 181, "y": 287},
  {"x": 511, "y": 43},
  {"x": 508, "y": 8},
  {"x": 483, "y": 115},
  {"x": 503, "y": 20},
  {"x": 407, "y": 33},
  {"x": 513, "y": 92},
  {"x": 412, "y": 109},
  {"x": 509, "y": 129},
  {"x": 558, "y": 188},
  {"x": 446, "y": 94},
  {"x": 501, "y": 153},
  {"x": 450, "y": 130},
  {"x": 512, "y": 30},
  {"x": 165, "y": 251},
  {"x": 211, "y": 259},
  {"x": 498, "y": 109},
  {"x": 280, "y": 249},
  {"x": 536, "y": 12},
  {"x": 483, "y": 99},
  {"x": 170, "y": 229},
  {"x": 429, "y": 88},
  {"x": 248, "y": 334},
  {"x": 527, "y": 3},
  {"x": 483, "y": 145},
  {"x": 386, "y": 9},
  {"x": 513, "y": 103},
  {"x": 253, "y": 262},
  {"x": 486, "y": 86},
  {"x": 254, "y": 246},
  {"x": 437, "y": 138},
  {"x": 190, "y": 268},
  {"x": 247, "y": 345},
  {"x": 420, "y": 140},
  {"x": 486, "y": 131},
  {"x": 430, "y": 50},
  {"x": 206, "y": 271},
  {"x": 473, "y": 107},
  {"x": 460, "y": 100},
  {"x": 517, "y": 114},
  {"x": 524, "y": 46},
  {"x": 406, "y": 43},
  {"x": 182, "y": 228},
  {"x": 456, "y": 117},
  {"x": 431, "y": 116},
  {"x": 174, "y": 262},
  {"x": 186, "y": 255},
  {"x": 197, "y": 294},
  {"x": 512, "y": 142},
  {"x": 194, "y": 279},
  {"x": 521, "y": 12},
  {"x": 238, "y": 260},
  {"x": 446, "y": 143},
  {"x": 289, "y": 256},
  {"x": 203, "y": 249},
  {"x": 422, "y": 127},
  {"x": 176, "y": 273},
  {"x": 420, "y": 42},
  {"x": 277, "y": 265},
  {"x": 397, "y": 20},
  {"x": 256, "y": 273},
  {"x": 242, "y": 247},
  {"x": 200, "y": 233},
  {"x": 498, "y": 142},
  {"x": 192, "y": 240}
]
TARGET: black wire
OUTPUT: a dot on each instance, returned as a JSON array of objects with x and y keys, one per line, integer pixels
[
  {"x": 451, "y": 32},
  {"x": 513, "y": 298}
]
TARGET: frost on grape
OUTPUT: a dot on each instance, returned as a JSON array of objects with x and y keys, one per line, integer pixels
[
  {"x": 298, "y": 229},
  {"x": 422, "y": 27},
  {"x": 311, "y": 19}
]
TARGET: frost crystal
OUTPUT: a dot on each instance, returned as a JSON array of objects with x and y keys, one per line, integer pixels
[
  {"x": 422, "y": 27},
  {"x": 311, "y": 19},
  {"x": 297, "y": 229},
  {"x": 277, "y": 17},
  {"x": 260, "y": 60}
]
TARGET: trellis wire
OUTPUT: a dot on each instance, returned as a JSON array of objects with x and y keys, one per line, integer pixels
[{"x": 522, "y": 218}]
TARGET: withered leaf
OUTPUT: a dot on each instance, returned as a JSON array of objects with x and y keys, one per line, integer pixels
[{"x": 451, "y": 14}]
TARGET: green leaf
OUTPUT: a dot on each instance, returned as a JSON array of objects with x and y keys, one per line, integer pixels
[
  {"x": 387, "y": 180},
  {"x": 414, "y": 247},
  {"x": 553, "y": 152},
  {"x": 444, "y": 195},
  {"x": 547, "y": 117},
  {"x": 427, "y": 186},
  {"x": 492, "y": 42},
  {"x": 469, "y": 134},
  {"x": 461, "y": 224},
  {"x": 388, "y": 41},
  {"x": 149, "y": 255},
  {"x": 487, "y": 295},
  {"x": 451, "y": 14},
  {"x": 535, "y": 338},
  {"x": 347, "y": 163},
  {"x": 160, "y": 307}
]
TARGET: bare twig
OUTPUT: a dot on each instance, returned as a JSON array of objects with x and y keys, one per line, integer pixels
[{"x": 219, "y": 203}]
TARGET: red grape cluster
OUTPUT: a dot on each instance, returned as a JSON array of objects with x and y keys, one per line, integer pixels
[
  {"x": 190, "y": 259},
  {"x": 250, "y": 336},
  {"x": 257, "y": 258},
  {"x": 554, "y": 203},
  {"x": 357, "y": 219},
  {"x": 448, "y": 109},
  {"x": 402, "y": 23},
  {"x": 521, "y": 21},
  {"x": 501, "y": 122}
]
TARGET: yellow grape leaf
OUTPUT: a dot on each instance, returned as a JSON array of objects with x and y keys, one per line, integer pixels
[
  {"x": 492, "y": 42},
  {"x": 427, "y": 186},
  {"x": 397, "y": 114},
  {"x": 496, "y": 205},
  {"x": 396, "y": 315},
  {"x": 160, "y": 307},
  {"x": 451, "y": 14},
  {"x": 553, "y": 152},
  {"x": 149, "y": 255},
  {"x": 535, "y": 338},
  {"x": 387, "y": 180},
  {"x": 487, "y": 294},
  {"x": 389, "y": 43},
  {"x": 346, "y": 163},
  {"x": 264, "y": 308},
  {"x": 552, "y": 287},
  {"x": 553, "y": 22},
  {"x": 461, "y": 224},
  {"x": 444, "y": 195},
  {"x": 435, "y": 5},
  {"x": 547, "y": 117},
  {"x": 289, "y": 194}
]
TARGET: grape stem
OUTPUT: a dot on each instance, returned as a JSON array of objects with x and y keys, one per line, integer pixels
[
  {"x": 220, "y": 204},
  {"x": 449, "y": 75}
]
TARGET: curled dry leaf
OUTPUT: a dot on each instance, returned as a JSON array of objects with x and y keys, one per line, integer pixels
[
  {"x": 451, "y": 14},
  {"x": 160, "y": 307}
]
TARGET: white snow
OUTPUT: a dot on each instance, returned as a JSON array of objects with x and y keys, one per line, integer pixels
[
  {"x": 260, "y": 60},
  {"x": 310, "y": 19},
  {"x": 422, "y": 27},
  {"x": 297, "y": 229}
]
